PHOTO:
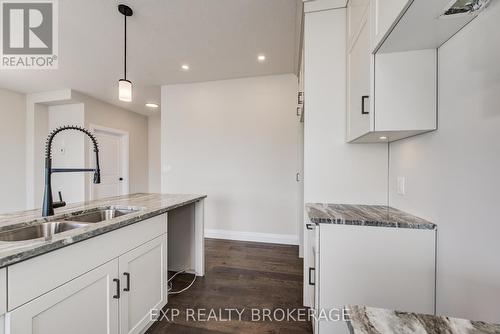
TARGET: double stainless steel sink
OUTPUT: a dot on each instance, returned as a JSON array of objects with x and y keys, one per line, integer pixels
[
  {"x": 99, "y": 215},
  {"x": 47, "y": 229}
]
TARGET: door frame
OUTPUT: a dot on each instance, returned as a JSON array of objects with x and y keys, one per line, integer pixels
[{"x": 124, "y": 138}]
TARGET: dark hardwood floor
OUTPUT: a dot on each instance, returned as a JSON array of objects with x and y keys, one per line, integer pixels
[{"x": 243, "y": 276}]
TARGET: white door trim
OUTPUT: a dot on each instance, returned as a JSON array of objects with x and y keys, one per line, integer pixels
[{"x": 124, "y": 137}]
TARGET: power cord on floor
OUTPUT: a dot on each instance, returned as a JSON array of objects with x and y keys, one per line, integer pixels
[{"x": 170, "y": 285}]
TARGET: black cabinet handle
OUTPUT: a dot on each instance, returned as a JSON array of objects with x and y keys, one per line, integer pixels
[
  {"x": 310, "y": 280},
  {"x": 363, "y": 98},
  {"x": 310, "y": 226},
  {"x": 127, "y": 288},
  {"x": 117, "y": 281}
]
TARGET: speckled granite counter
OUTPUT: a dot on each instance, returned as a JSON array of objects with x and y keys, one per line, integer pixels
[
  {"x": 149, "y": 205},
  {"x": 368, "y": 320},
  {"x": 365, "y": 215}
]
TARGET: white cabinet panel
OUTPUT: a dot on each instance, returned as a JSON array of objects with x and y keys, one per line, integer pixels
[
  {"x": 391, "y": 268},
  {"x": 143, "y": 274},
  {"x": 356, "y": 13},
  {"x": 81, "y": 306},
  {"x": 309, "y": 265},
  {"x": 406, "y": 91},
  {"x": 384, "y": 13},
  {"x": 3, "y": 290},
  {"x": 358, "y": 87}
]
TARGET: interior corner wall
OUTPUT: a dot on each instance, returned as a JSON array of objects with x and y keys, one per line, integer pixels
[
  {"x": 452, "y": 174},
  {"x": 236, "y": 141},
  {"x": 13, "y": 151},
  {"x": 154, "y": 153},
  {"x": 41, "y": 130},
  {"x": 334, "y": 171}
]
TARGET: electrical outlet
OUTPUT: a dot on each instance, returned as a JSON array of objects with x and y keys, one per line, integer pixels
[{"x": 401, "y": 185}]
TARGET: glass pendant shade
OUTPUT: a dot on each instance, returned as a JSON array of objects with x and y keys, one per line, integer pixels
[{"x": 125, "y": 90}]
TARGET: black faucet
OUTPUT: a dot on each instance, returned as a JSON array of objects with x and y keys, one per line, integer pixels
[{"x": 48, "y": 204}]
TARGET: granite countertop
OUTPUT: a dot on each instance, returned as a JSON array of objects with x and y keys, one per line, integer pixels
[
  {"x": 369, "y": 320},
  {"x": 148, "y": 205},
  {"x": 366, "y": 215}
]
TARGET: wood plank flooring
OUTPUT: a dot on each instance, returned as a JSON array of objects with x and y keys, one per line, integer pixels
[{"x": 243, "y": 276}]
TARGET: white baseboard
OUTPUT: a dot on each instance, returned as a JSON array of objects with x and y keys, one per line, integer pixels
[{"x": 285, "y": 239}]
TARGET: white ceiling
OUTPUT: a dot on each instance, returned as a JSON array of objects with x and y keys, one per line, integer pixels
[{"x": 219, "y": 39}]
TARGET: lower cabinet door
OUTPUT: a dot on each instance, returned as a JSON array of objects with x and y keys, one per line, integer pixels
[
  {"x": 309, "y": 242},
  {"x": 143, "y": 274},
  {"x": 87, "y": 304}
]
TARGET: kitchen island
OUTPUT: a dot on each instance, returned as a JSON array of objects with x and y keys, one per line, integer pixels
[
  {"x": 370, "y": 320},
  {"x": 100, "y": 274}
]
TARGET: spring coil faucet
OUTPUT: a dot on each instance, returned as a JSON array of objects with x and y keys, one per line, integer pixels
[{"x": 48, "y": 204}]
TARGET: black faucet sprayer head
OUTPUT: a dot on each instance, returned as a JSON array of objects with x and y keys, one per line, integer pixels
[{"x": 97, "y": 173}]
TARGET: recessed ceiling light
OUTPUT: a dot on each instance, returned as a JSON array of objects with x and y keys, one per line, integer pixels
[
  {"x": 185, "y": 67},
  {"x": 261, "y": 58},
  {"x": 152, "y": 105},
  {"x": 383, "y": 138}
]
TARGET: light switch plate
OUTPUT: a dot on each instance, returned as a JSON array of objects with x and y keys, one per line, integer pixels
[{"x": 401, "y": 185}]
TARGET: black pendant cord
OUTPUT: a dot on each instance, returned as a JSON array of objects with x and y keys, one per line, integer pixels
[
  {"x": 125, "y": 11},
  {"x": 125, "y": 52}
]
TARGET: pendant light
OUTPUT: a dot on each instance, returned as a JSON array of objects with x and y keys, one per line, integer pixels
[{"x": 124, "y": 85}]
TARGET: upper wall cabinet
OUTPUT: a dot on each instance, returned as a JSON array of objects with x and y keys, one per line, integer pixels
[
  {"x": 392, "y": 65},
  {"x": 390, "y": 95}
]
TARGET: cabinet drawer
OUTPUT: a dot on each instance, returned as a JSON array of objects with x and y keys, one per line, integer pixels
[{"x": 58, "y": 267}]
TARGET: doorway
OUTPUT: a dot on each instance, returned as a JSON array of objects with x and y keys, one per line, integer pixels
[{"x": 114, "y": 161}]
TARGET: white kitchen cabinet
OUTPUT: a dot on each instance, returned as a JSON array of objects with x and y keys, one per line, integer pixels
[
  {"x": 103, "y": 285},
  {"x": 385, "y": 267},
  {"x": 356, "y": 12},
  {"x": 358, "y": 89},
  {"x": 87, "y": 304},
  {"x": 385, "y": 14},
  {"x": 3, "y": 298},
  {"x": 421, "y": 26},
  {"x": 390, "y": 95},
  {"x": 143, "y": 272},
  {"x": 309, "y": 249}
]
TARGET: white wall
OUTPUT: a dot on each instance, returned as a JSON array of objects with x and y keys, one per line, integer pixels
[
  {"x": 68, "y": 151},
  {"x": 37, "y": 129},
  {"x": 110, "y": 116},
  {"x": 235, "y": 141},
  {"x": 12, "y": 150},
  {"x": 335, "y": 172},
  {"x": 452, "y": 174},
  {"x": 41, "y": 131},
  {"x": 154, "y": 153}
]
